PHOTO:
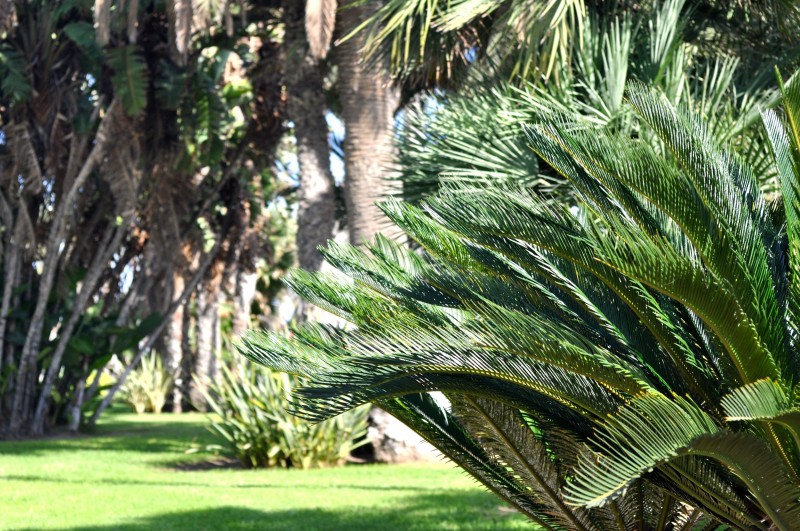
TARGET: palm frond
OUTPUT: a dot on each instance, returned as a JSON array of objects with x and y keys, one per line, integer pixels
[{"x": 623, "y": 359}]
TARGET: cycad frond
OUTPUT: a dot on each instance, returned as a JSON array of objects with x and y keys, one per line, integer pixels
[{"x": 628, "y": 360}]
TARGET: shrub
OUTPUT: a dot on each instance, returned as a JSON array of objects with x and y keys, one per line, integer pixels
[
  {"x": 147, "y": 387},
  {"x": 252, "y": 415},
  {"x": 627, "y": 361}
]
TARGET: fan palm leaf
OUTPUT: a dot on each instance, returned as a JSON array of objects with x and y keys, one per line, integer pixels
[{"x": 472, "y": 133}]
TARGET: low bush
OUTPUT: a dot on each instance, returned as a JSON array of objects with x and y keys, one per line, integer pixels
[
  {"x": 252, "y": 407},
  {"x": 146, "y": 388}
]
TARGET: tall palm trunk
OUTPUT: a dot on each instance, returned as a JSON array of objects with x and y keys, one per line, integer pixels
[
  {"x": 306, "y": 108},
  {"x": 369, "y": 100}
]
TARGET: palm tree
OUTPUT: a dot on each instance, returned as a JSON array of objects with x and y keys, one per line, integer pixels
[
  {"x": 309, "y": 30},
  {"x": 628, "y": 360},
  {"x": 369, "y": 100},
  {"x": 96, "y": 225},
  {"x": 434, "y": 42},
  {"x": 472, "y": 132}
]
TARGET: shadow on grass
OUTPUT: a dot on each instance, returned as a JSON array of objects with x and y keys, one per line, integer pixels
[
  {"x": 312, "y": 483},
  {"x": 127, "y": 436},
  {"x": 426, "y": 511}
]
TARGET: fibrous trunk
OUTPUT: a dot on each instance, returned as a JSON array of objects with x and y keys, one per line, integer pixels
[
  {"x": 306, "y": 108},
  {"x": 369, "y": 100}
]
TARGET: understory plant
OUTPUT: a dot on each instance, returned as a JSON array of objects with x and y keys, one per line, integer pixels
[
  {"x": 251, "y": 412},
  {"x": 146, "y": 389},
  {"x": 627, "y": 360}
]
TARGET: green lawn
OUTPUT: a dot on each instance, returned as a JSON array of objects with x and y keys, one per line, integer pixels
[{"x": 132, "y": 474}]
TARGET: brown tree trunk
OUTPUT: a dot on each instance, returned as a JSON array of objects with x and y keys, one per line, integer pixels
[
  {"x": 306, "y": 108},
  {"x": 369, "y": 100},
  {"x": 187, "y": 354},
  {"x": 10, "y": 265}
]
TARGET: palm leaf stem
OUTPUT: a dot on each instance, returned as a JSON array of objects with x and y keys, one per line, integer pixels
[
  {"x": 551, "y": 495},
  {"x": 749, "y": 476},
  {"x": 625, "y": 295},
  {"x": 674, "y": 474},
  {"x": 601, "y": 271},
  {"x": 776, "y": 443},
  {"x": 410, "y": 411},
  {"x": 582, "y": 407},
  {"x": 662, "y": 518},
  {"x": 790, "y": 421},
  {"x": 618, "y": 516},
  {"x": 631, "y": 300}
]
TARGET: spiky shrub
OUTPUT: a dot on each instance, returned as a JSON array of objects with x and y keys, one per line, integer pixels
[
  {"x": 629, "y": 361},
  {"x": 251, "y": 407},
  {"x": 146, "y": 389}
]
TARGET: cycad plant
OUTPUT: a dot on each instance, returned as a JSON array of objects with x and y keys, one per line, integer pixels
[{"x": 628, "y": 361}]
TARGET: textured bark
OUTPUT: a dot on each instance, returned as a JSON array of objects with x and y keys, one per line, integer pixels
[
  {"x": 306, "y": 108},
  {"x": 173, "y": 347},
  {"x": 187, "y": 324},
  {"x": 207, "y": 321},
  {"x": 10, "y": 262},
  {"x": 369, "y": 101}
]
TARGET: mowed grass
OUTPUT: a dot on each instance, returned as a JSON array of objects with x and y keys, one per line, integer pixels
[{"x": 134, "y": 473}]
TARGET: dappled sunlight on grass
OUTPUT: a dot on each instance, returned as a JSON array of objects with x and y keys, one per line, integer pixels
[{"x": 134, "y": 473}]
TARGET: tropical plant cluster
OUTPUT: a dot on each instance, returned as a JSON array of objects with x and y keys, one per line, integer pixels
[
  {"x": 626, "y": 359},
  {"x": 250, "y": 408},
  {"x": 473, "y": 134},
  {"x": 173, "y": 240},
  {"x": 136, "y": 173}
]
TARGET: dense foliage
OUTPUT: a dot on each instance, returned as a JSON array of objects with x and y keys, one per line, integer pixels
[
  {"x": 627, "y": 360},
  {"x": 472, "y": 132},
  {"x": 133, "y": 175},
  {"x": 251, "y": 406}
]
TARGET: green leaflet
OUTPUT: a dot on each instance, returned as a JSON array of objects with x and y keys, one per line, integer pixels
[
  {"x": 645, "y": 433},
  {"x": 130, "y": 78},
  {"x": 762, "y": 399}
]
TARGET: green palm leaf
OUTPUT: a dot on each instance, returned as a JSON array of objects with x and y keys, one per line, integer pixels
[{"x": 624, "y": 359}]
